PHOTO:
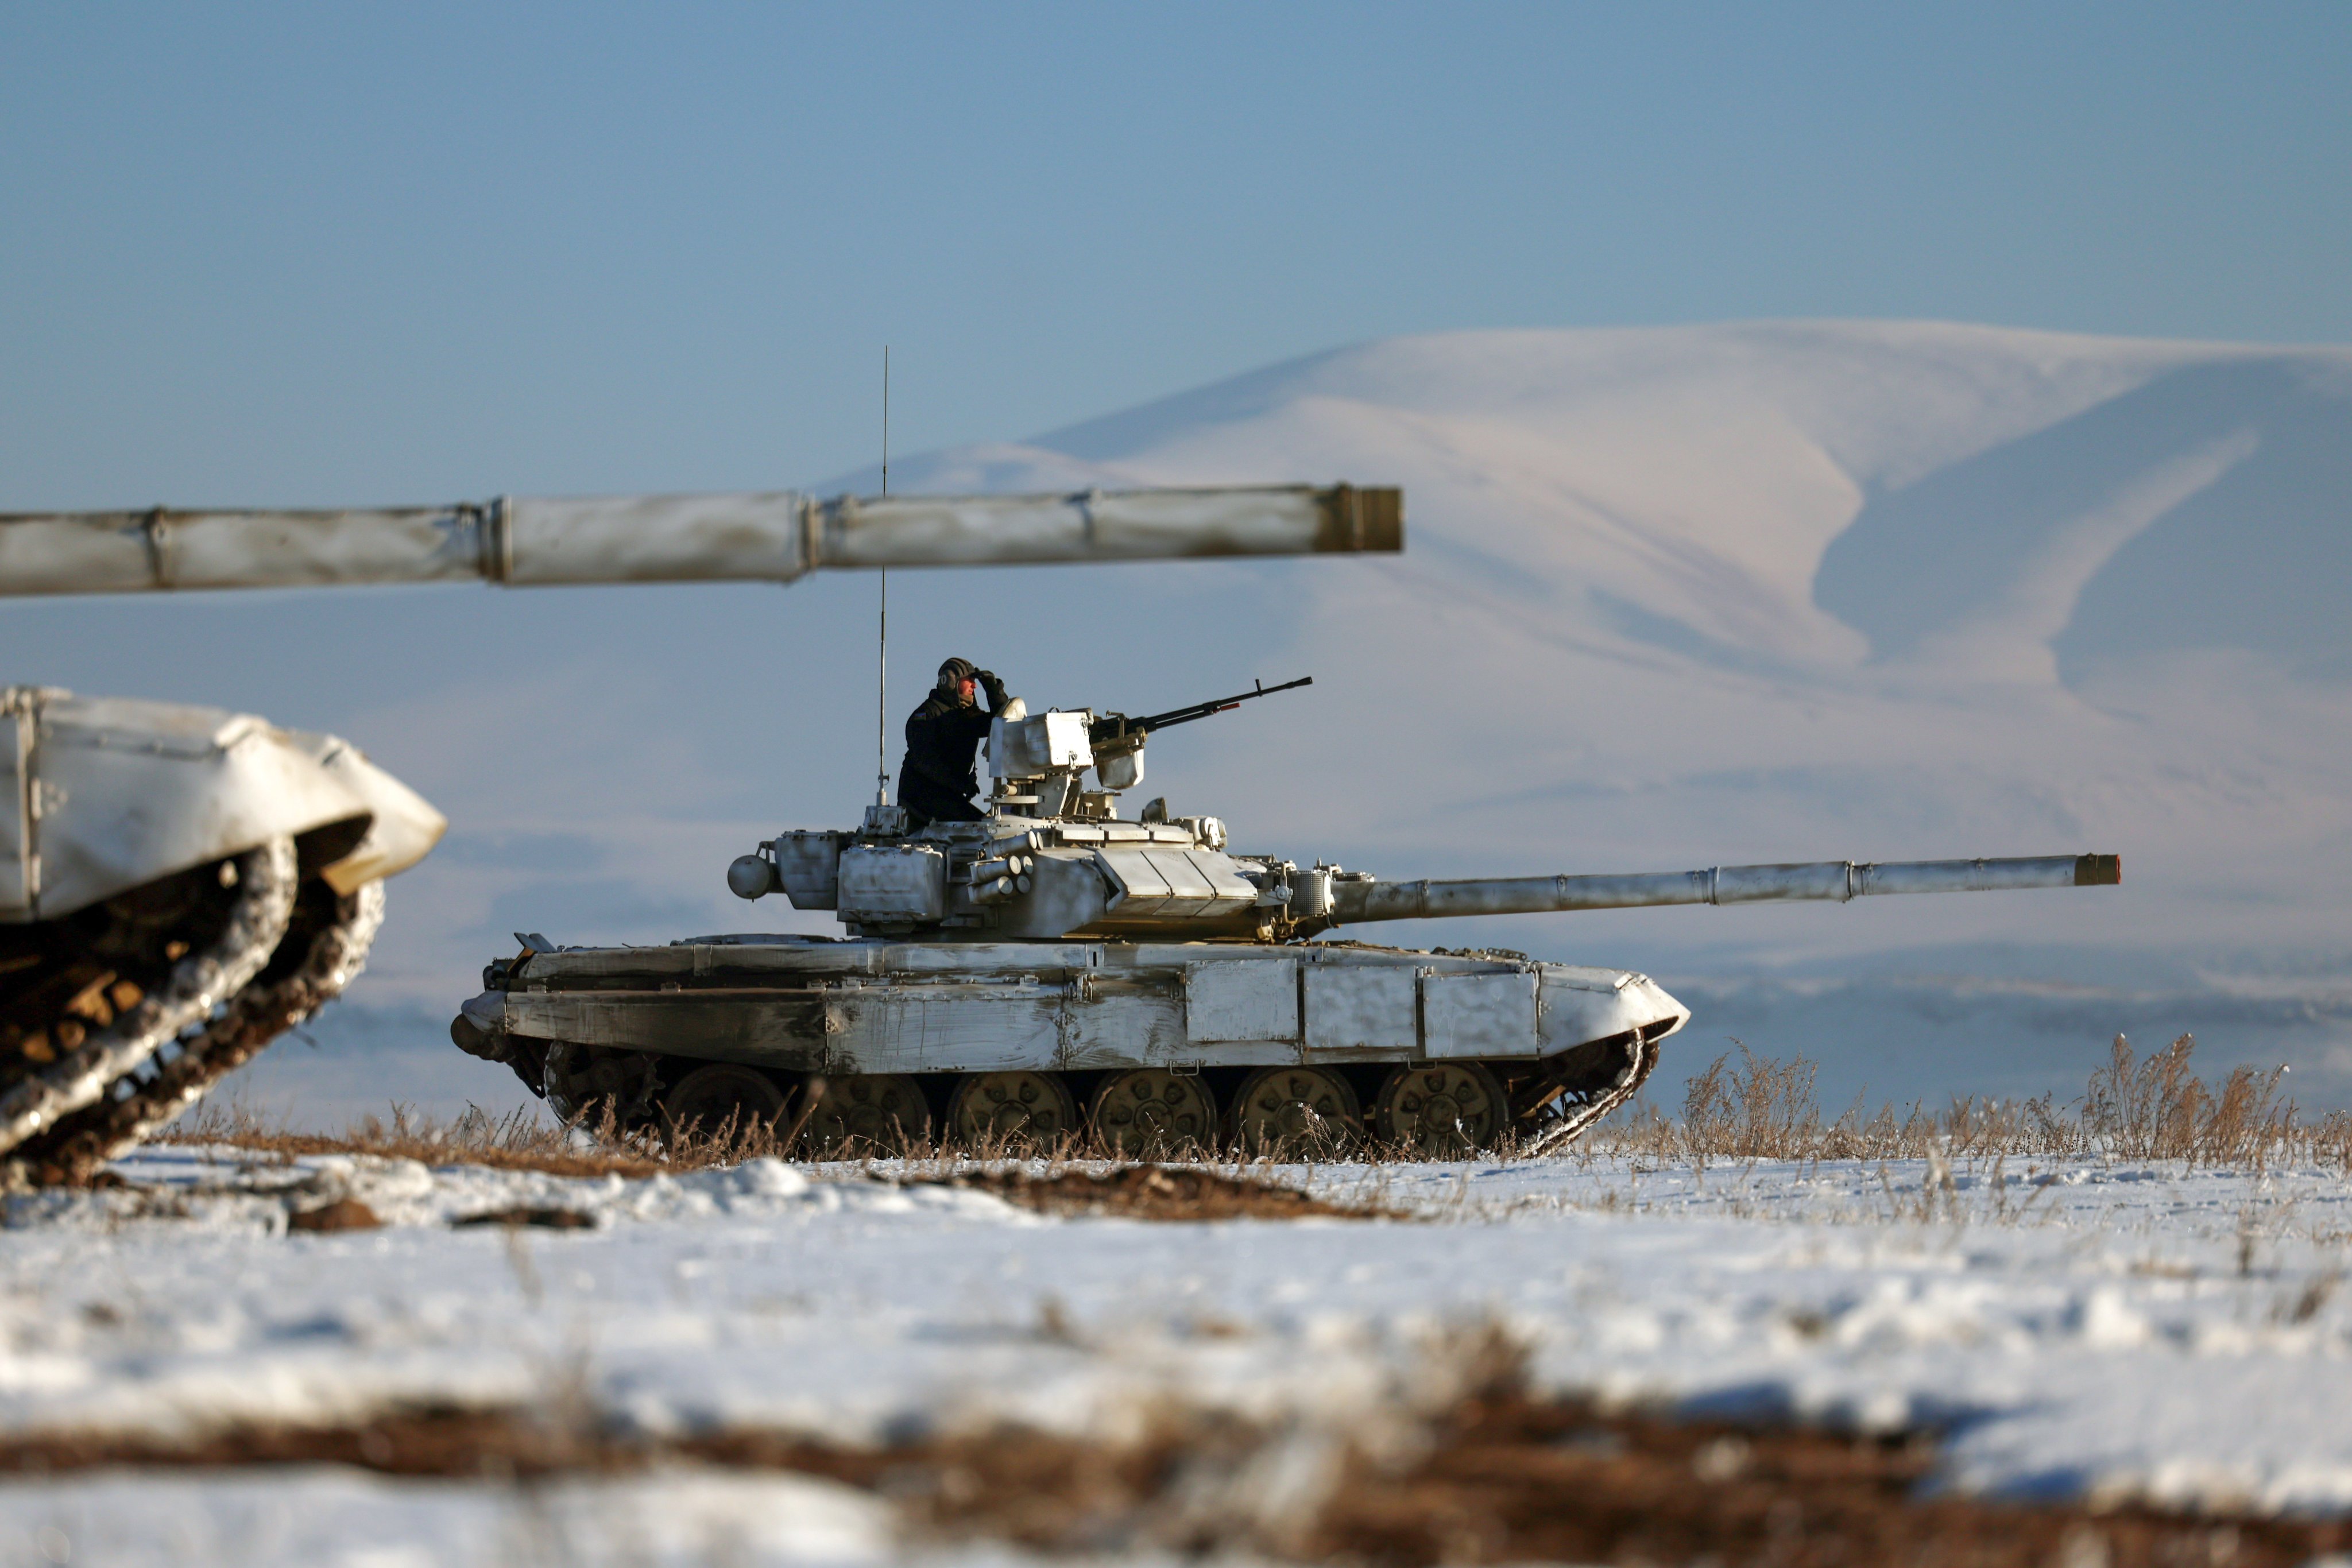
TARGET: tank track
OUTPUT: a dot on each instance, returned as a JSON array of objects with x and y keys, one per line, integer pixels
[
  {"x": 1581, "y": 1111},
  {"x": 324, "y": 948},
  {"x": 583, "y": 1084},
  {"x": 237, "y": 943}
]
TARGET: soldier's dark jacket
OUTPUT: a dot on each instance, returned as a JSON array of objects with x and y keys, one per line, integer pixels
[{"x": 938, "y": 779}]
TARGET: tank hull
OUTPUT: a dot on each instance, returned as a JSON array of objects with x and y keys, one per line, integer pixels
[{"x": 1559, "y": 1039}]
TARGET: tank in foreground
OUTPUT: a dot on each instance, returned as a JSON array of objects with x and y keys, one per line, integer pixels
[
  {"x": 181, "y": 885},
  {"x": 1057, "y": 972},
  {"x": 178, "y": 887}
]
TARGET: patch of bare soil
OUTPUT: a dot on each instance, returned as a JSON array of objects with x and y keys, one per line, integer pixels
[
  {"x": 1498, "y": 1477},
  {"x": 1509, "y": 1479},
  {"x": 1175, "y": 1191},
  {"x": 452, "y": 1443},
  {"x": 344, "y": 1214},
  {"x": 1158, "y": 1192}
]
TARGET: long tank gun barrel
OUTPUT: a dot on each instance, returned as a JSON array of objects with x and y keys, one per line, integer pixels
[
  {"x": 774, "y": 537},
  {"x": 1837, "y": 880}
]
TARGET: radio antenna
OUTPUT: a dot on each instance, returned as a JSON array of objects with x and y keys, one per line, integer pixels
[{"x": 882, "y": 646}]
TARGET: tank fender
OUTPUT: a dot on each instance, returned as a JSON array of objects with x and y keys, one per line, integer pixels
[
  {"x": 487, "y": 1012},
  {"x": 1575, "y": 1005},
  {"x": 404, "y": 826},
  {"x": 117, "y": 792},
  {"x": 479, "y": 1028}
]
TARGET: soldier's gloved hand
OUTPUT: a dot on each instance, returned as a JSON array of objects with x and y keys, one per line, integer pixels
[{"x": 993, "y": 686}]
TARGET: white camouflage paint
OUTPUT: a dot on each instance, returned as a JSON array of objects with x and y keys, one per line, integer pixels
[{"x": 99, "y": 794}]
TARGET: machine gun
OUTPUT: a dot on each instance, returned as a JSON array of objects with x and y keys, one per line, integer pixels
[{"x": 1107, "y": 731}]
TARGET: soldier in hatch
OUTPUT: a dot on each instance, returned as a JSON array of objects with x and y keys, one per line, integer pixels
[{"x": 938, "y": 781}]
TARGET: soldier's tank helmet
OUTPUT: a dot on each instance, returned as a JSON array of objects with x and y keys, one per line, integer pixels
[{"x": 955, "y": 670}]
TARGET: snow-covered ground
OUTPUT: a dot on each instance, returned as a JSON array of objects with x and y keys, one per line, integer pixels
[{"x": 2084, "y": 1330}]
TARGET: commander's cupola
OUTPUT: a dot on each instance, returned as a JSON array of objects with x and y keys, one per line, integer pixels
[{"x": 1037, "y": 764}]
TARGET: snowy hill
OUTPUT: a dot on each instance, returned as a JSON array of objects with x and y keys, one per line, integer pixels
[
  {"x": 1775, "y": 489},
  {"x": 1815, "y": 589}
]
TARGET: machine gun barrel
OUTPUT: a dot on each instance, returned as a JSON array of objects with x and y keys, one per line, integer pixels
[
  {"x": 774, "y": 537},
  {"x": 1834, "y": 880},
  {"x": 1111, "y": 727}
]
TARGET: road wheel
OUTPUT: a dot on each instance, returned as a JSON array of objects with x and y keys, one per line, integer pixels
[
  {"x": 585, "y": 1082},
  {"x": 1150, "y": 1113},
  {"x": 1440, "y": 1110},
  {"x": 723, "y": 1099},
  {"x": 994, "y": 1112},
  {"x": 859, "y": 1113},
  {"x": 1296, "y": 1112}
]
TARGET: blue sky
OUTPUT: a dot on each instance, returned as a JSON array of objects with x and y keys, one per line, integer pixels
[{"x": 328, "y": 253}]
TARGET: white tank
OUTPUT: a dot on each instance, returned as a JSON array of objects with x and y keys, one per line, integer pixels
[{"x": 1057, "y": 975}]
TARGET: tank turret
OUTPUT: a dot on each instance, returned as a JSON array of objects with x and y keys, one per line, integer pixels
[
  {"x": 1076, "y": 871},
  {"x": 998, "y": 974},
  {"x": 180, "y": 885}
]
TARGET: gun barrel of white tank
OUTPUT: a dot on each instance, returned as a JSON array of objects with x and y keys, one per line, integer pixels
[
  {"x": 773, "y": 536},
  {"x": 1838, "y": 881}
]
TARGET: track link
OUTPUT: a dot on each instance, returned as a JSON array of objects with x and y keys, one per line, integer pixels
[
  {"x": 323, "y": 950},
  {"x": 1642, "y": 1058},
  {"x": 260, "y": 908}
]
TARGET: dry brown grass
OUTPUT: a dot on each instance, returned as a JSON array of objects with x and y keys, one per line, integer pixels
[
  {"x": 520, "y": 1140},
  {"x": 1756, "y": 1107},
  {"x": 2158, "y": 1110},
  {"x": 1742, "y": 1107},
  {"x": 525, "y": 1140}
]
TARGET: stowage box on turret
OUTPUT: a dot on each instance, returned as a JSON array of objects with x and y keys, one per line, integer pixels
[{"x": 1057, "y": 970}]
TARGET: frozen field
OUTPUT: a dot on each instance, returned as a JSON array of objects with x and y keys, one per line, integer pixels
[{"x": 2088, "y": 1330}]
